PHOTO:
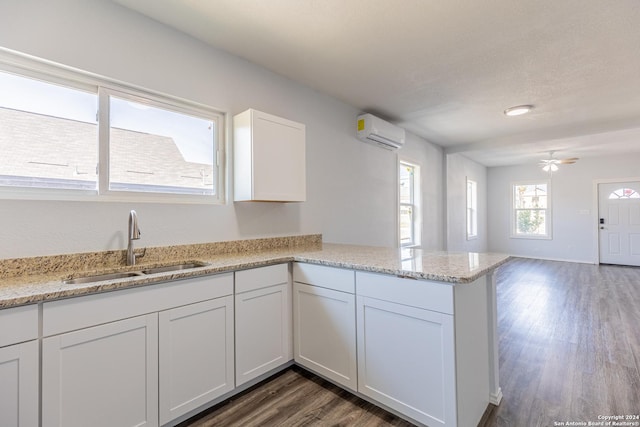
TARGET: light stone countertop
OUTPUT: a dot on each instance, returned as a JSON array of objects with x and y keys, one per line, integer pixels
[{"x": 455, "y": 268}]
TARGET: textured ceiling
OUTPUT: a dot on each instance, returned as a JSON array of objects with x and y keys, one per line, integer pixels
[{"x": 446, "y": 70}]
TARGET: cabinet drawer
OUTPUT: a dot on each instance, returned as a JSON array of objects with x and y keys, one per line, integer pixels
[
  {"x": 262, "y": 277},
  {"x": 326, "y": 277},
  {"x": 416, "y": 293},
  {"x": 82, "y": 312},
  {"x": 18, "y": 324}
]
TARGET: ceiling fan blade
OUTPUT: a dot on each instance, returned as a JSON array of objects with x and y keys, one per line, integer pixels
[{"x": 569, "y": 161}]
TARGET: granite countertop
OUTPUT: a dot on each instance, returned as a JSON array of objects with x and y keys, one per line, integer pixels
[{"x": 33, "y": 286}]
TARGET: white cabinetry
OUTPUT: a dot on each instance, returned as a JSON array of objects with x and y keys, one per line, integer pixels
[
  {"x": 263, "y": 321},
  {"x": 103, "y": 365},
  {"x": 421, "y": 351},
  {"x": 196, "y": 356},
  {"x": 102, "y": 376},
  {"x": 324, "y": 322},
  {"x": 269, "y": 158},
  {"x": 405, "y": 359},
  {"x": 19, "y": 367}
]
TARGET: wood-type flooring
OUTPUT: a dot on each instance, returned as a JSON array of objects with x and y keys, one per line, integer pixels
[{"x": 569, "y": 353}]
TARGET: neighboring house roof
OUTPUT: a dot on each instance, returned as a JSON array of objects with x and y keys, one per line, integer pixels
[{"x": 41, "y": 146}]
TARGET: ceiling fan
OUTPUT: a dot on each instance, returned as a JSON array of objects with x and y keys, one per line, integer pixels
[{"x": 551, "y": 164}]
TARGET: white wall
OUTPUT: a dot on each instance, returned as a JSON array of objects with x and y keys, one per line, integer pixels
[
  {"x": 351, "y": 186},
  {"x": 574, "y": 207},
  {"x": 459, "y": 168}
]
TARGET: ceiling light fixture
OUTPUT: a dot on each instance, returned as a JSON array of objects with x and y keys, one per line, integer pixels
[
  {"x": 552, "y": 164},
  {"x": 518, "y": 110}
]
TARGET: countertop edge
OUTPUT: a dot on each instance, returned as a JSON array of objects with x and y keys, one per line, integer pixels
[{"x": 54, "y": 289}]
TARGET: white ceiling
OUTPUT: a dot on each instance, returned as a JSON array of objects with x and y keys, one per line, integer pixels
[{"x": 446, "y": 69}]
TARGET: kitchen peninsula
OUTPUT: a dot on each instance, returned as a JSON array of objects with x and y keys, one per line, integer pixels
[{"x": 410, "y": 330}]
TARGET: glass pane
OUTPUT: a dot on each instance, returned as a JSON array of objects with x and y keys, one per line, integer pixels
[
  {"x": 472, "y": 194},
  {"x": 48, "y": 135},
  {"x": 472, "y": 222},
  {"x": 158, "y": 150},
  {"x": 472, "y": 208},
  {"x": 406, "y": 225},
  {"x": 406, "y": 183},
  {"x": 531, "y": 222},
  {"x": 530, "y": 196},
  {"x": 624, "y": 193}
]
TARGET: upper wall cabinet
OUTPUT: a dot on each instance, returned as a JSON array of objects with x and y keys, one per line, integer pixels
[{"x": 269, "y": 158}]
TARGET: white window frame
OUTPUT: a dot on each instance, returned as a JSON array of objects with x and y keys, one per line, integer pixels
[
  {"x": 416, "y": 205},
  {"x": 49, "y": 72},
  {"x": 548, "y": 212},
  {"x": 472, "y": 209}
]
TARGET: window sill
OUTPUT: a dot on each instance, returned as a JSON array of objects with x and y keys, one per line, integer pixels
[{"x": 514, "y": 236}]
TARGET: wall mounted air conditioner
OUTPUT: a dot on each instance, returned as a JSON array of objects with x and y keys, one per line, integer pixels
[{"x": 374, "y": 130}]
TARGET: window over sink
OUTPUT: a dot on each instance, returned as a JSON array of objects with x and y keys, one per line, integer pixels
[{"x": 70, "y": 135}]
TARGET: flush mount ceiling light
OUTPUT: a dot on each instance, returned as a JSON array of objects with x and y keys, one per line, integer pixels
[{"x": 518, "y": 110}]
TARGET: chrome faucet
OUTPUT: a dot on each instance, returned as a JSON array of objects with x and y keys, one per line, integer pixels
[{"x": 134, "y": 234}]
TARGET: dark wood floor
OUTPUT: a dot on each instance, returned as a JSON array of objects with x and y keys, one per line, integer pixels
[
  {"x": 296, "y": 398},
  {"x": 569, "y": 351}
]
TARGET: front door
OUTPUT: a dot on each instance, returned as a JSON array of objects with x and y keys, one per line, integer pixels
[{"x": 619, "y": 223}]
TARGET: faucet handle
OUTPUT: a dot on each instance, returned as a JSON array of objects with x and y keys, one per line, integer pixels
[{"x": 140, "y": 255}]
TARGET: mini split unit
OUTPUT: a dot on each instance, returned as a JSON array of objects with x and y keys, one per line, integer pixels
[{"x": 374, "y": 130}]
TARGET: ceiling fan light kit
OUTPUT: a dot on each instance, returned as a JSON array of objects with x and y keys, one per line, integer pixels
[{"x": 551, "y": 164}]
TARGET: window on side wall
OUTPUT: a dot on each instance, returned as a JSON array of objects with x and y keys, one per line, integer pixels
[
  {"x": 78, "y": 137},
  {"x": 472, "y": 209},
  {"x": 409, "y": 207},
  {"x": 531, "y": 210}
]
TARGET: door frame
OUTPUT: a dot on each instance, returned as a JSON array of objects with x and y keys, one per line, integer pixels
[{"x": 596, "y": 209}]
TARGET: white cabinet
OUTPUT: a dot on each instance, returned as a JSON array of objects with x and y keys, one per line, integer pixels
[
  {"x": 423, "y": 347},
  {"x": 325, "y": 323},
  {"x": 19, "y": 385},
  {"x": 19, "y": 370},
  {"x": 102, "y": 376},
  {"x": 406, "y": 360},
  {"x": 263, "y": 321},
  {"x": 122, "y": 358},
  {"x": 196, "y": 356},
  {"x": 269, "y": 158}
]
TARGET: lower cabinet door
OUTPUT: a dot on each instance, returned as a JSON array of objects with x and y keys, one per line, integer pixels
[
  {"x": 263, "y": 331},
  {"x": 103, "y": 376},
  {"x": 406, "y": 360},
  {"x": 196, "y": 356},
  {"x": 324, "y": 328},
  {"x": 19, "y": 385}
]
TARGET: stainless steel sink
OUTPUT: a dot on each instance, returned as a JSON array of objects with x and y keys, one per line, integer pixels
[
  {"x": 175, "y": 267},
  {"x": 101, "y": 277},
  {"x": 127, "y": 274}
]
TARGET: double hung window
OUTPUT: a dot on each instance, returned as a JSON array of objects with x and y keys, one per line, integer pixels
[
  {"x": 531, "y": 214},
  {"x": 472, "y": 209},
  {"x": 409, "y": 204}
]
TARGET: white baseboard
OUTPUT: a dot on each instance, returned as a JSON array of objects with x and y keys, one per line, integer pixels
[
  {"x": 496, "y": 398},
  {"x": 579, "y": 261}
]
